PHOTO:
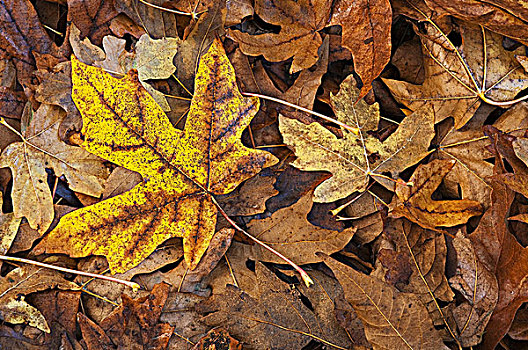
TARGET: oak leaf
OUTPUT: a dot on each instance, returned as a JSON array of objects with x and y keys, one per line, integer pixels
[
  {"x": 354, "y": 158},
  {"x": 414, "y": 201},
  {"x": 181, "y": 170},
  {"x": 392, "y": 319},
  {"x": 43, "y": 149}
]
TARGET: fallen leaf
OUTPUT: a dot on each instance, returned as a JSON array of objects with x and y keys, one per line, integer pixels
[
  {"x": 181, "y": 170},
  {"x": 392, "y": 319},
  {"x": 23, "y": 35},
  {"x": 415, "y": 203},
  {"x": 367, "y": 34},
  {"x": 425, "y": 252},
  {"x": 503, "y": 256},
  {"x": 289, "y": 232},
  {"x": 505, "y": 17},
  {"x": 298, "y": 37},
  {"x": 354, "y": 158},
  {"x": 9, "y": 225},
  {"x": 479, "y": 288},
  {"x": 92, "y": 17},
  {"x": 133, "y": 325},
  {"x": 454, "y": 82},
  {"x": 275, "y": 316},
  {"x": 216, "y": 339},
  {"x": 43, "y": 149},
  {"x": 250, "y": 198},
  {"x": 22, "y": 281}
]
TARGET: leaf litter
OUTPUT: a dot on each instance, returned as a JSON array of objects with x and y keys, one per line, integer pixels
[{"x": 386, "y": 155}]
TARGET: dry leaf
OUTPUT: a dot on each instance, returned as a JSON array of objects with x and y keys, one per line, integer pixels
[
  {"x": 392, "y": 319},
  {"x": 216, "y": 339},
  {"x": 22, "y": 281},
  {"x": 181, "y": 170},
  {"x": 505, "y": 17},
  {"x": 425, "y": 253},
  {"x": 134, "y": 325},
  {"x": 289, "y": 232},
  {"x": 28, "y": 161},
  {"x": 93, "y": 17},
  {"x": 479, "y": 288},
  {"x": 454, "y": 82},
  {"x": 415, "y": 203},
  {"x": 354, "y": 158},
  {"x": 367, "y": 34},
  {"x": 298, "y": 36},
  {"x": 274, "y": 317}
]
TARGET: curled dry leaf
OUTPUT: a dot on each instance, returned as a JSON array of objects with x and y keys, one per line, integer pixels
[
  {"x": 22, "y": 281},
  {"x": 415, "y": 203},
  {"x": 289, "y": 232},
  {"x": 457, "y": 79},
  {"x": 354, "y": 158},
  {"x": 43, "y": 149},
  {"x": 501, "y": 254},
  {"x": 392, "y": 319},
  {"x": 181, "y": 170},
  {"x": 506, "y": 17}
]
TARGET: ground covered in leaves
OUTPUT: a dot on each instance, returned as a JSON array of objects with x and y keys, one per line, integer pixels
[{"x": 204, "y": 149}]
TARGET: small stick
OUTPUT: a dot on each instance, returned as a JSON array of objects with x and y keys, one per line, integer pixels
[
  {"x": 353, "y": 130},
  {"x": 306, "y": 279},
  {"x": 135, "y": 287}
]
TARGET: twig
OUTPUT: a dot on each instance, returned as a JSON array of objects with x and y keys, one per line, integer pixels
[
  {"x": 135, "y": 287},
  {"x": 306, "y": 279}
]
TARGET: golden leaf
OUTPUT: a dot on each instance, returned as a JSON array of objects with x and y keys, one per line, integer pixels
[
  {"x": 181, "y": 170},
  {"x": 354, "y": 158}
]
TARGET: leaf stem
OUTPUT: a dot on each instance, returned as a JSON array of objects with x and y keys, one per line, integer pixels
[
  {"x": 306, "y": 279},
  {"x": 135, "y": 287},
  {"x": 193, "y": 14},
  {"x": 353, "y": 130}
]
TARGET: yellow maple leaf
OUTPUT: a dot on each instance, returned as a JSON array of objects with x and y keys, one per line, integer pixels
[{"x": 181, "y": 170}]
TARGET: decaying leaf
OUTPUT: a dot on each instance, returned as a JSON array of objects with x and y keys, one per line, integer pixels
[
  {"x": 134, "y": 325},
  {"x": 459, "y": 78},
  {"x": 415, "y": 203},
  {"x": 479, "y": 288},
  {"x": 354, "y": 158},
  {"x": 22, "y": 281},
  {"x": 9, "y": 224},
  {"x": 274, "y": 309},
  {"x": 425, "y": 252},
  {"x": 43, "y": 149},
  {"x": 392, "y": 319},
  {"x": 289, "y": 232},
  {"x": 181, "y": 170},
  {"x": 217, "y": 338}
]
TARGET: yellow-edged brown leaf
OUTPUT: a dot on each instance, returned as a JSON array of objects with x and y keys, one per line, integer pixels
[{"x": 181, "y": 170}]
